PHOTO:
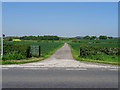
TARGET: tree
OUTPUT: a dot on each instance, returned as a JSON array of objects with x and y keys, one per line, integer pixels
[
  {"x": 93, "y": 37},
  {"x": 86, "y": 37},
  {"x": 103, "y": 37},
  {"x": 110, "y": 37}
]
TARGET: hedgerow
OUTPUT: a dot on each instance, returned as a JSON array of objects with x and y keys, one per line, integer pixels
[
  {"x": 105, "y": 51},
  {"x": 23, "y": 50},
  {"x": 16, "y": 51},
  {"x": 86, "y": 51}
]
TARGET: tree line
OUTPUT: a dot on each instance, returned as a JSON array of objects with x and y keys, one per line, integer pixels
[
  {"x": 101, "y": 37},
  {"x": 33, "y": 38},
  {"x": 48, "y": 37},
  {"x": 39, "y": 38}
]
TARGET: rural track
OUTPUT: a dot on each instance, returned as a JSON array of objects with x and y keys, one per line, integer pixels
[{"x": 63, "y": 53}]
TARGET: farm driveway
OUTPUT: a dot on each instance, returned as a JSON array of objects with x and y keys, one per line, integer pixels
[{"x": 62, "y": 58}]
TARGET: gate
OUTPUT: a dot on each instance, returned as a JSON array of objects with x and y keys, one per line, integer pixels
[{"x": 35, "y": 51}]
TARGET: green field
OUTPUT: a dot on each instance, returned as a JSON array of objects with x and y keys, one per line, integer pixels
[
  {"x": 92, "y": 51},
  {"x": 47, "y": 49}
]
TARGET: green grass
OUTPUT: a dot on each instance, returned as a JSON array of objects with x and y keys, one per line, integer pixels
[
  {"x": 30, "y": 60},
  {"x": 47, "y": 49},
  {"x": 100, "y": 43},
  {"x": 101, "y": 58}
]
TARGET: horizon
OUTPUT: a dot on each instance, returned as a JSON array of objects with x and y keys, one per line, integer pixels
[
  {"x": 63, "y": 37},
  {"x": 60, "y": 19}
]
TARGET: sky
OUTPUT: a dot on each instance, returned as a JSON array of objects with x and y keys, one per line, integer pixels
[{"x": 62, "y": 19}]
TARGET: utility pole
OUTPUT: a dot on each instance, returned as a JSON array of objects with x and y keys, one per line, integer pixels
[
  {"x": 1, "y": 30},
  {"x": 1, "y": 44}
]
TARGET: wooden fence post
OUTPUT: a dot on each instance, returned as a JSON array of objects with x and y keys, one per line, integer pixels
[
  {"x": 39, "y": 51},
  {"x": 80, "y": 51}
]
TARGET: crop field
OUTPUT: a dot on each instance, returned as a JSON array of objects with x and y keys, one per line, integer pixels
[
  {"x": 100, "y": 51},
  {"x": 21, "y": 50}
]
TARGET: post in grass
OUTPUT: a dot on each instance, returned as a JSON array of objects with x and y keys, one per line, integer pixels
[{"x": 39, "y": 51}]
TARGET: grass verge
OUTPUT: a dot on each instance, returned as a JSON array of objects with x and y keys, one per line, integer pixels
[{"x": 30, "y": 60}]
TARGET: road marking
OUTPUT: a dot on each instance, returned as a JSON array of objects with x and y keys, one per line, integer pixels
[
  {"x": 37, "y": 68},
  {"x": 113, "y": 69},
  {"x": 79, "y": 69},
  {"x": 5, "y": 68}
]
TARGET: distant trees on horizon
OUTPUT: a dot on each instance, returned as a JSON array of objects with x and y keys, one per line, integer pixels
[
  {"x": 101, "y": 37},
  {"x": 39, "y": 37},
  {"x": 50, "y": 37}
]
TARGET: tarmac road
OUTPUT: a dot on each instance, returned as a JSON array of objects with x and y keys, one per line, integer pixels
[{"x": 59, "y": 78}]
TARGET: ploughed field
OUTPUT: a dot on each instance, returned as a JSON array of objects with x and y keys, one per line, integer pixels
[
  {"x": 100, "y": 51},
  {"x": 24, "y": 50}
]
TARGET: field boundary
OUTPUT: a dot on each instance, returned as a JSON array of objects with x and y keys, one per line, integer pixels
[
  {"x": 90, "y": 60},
  {"x": 30, "y": 60}
]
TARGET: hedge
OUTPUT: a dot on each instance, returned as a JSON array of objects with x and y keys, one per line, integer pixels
[
  {"x": 16, "y": 51},
  {"x": 86, "y": 51}
]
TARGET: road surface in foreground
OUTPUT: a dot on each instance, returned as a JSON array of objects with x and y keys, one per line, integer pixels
[
  {"x": 59, "y": 78},
  {"x": 60, "y": 71}
]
